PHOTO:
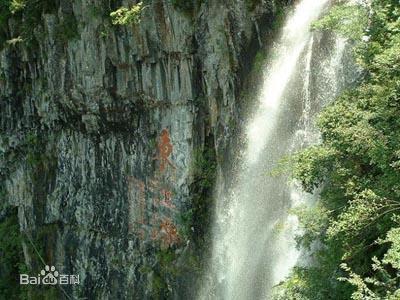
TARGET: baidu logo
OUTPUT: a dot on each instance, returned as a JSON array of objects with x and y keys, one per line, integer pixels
[{"x": 49, "y": 276}]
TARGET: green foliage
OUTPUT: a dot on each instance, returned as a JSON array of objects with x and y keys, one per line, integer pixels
[
  {"x": 5, "y": 14},
  {"x": 393, "y": 254},
  {"x": 313, "y": 283},
  {"x": 357, "y": 168},
  {"x": 27, "y": 15},
  {"x": 384, "y": 283},
  {"x": 38, "y": 243},
  {"x": 204, "y": 167},
  {"x": 127, "y": 16},
  {"x": 171, "y": 267},
  {"x": 204, "y": 176},
  {"x": 14, "y": 41},
  {"x": 17, "y": 5},
  {"x": 314, "y": 222},
  {"x": 259, "y": 61},
  {"x": 11, "y": 256},
  {"x": 363, "y": 210},
  {"x": 312, "y": 166},
  {"x": 160, "y": 274},
  {"x": 349, "y": 20}
]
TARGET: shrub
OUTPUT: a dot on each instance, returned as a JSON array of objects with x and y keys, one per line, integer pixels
[{"x": 126, "y": 16}]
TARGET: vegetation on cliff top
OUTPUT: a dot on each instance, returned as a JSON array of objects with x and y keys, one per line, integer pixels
[
  {"x": 354, "y": 231},
  {"x": 25, "y": 19}
]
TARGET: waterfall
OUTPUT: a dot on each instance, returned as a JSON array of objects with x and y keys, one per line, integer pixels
[{"x": 253, "y": 234}]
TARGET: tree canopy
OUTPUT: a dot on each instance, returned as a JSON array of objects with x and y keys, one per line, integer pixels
[{"x": 354, "y": 230}]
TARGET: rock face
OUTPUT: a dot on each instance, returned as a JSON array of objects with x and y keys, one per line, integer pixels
[{"x": 102, "y": 127}]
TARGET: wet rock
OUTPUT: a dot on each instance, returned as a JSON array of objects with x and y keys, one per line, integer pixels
[{"x": 83, "y": 108}]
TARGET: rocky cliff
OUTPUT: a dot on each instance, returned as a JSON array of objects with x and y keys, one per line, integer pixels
[{"x": 111, "y": 136}]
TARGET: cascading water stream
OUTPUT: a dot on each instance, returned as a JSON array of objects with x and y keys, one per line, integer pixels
[{"x": 253, "y": 238}]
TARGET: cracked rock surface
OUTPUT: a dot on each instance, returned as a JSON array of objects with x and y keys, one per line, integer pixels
[{"x": 99, "y": 129}]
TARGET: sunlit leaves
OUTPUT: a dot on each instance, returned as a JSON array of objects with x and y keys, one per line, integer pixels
[
  {"x": 393, "y": 255},
  {"x": 348, "y": 20},
  {"x": 313, "y": 221},
  {"x": 384, "y": 280},
  {"x": 125, "y": 16},
  {"x": 17, "y": 5},
  {"x": 357, "y": 167},
  {"x": 366, "y": 208},
  {"x": 312, "y": 165}
]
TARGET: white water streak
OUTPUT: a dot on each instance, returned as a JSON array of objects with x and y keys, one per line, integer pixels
[
  {"x": 254, "y": 246},
  {"x": 295, "y": 36}
]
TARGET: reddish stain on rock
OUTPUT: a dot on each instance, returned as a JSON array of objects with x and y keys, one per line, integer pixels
[
  {"x": 164, "y": 150},
  {"x": 166, "y": 233},
  {"x": 169, "y": 233},
  {"x": 167, "y": 199}
]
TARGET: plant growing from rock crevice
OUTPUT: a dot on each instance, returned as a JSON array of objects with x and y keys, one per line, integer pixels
[{"x": 127, "y": 16}]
